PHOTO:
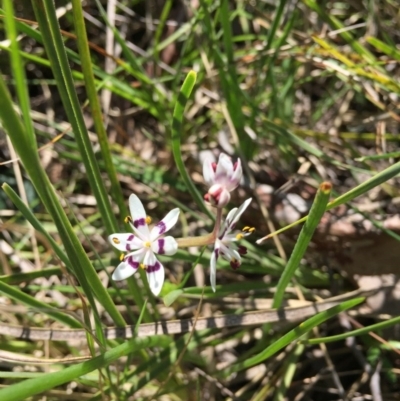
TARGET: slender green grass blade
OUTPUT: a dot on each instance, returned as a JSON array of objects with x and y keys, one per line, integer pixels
[
  {"x": 317, "y": 210},
  {"x": 290, "y": 368},
  {"x": 46, "y": 16},
  {"x": 19, "y": 71},
  {"x": 29, "y": 157},
  {"x": 18, "y": 278},
  {"x": 30, "y": 217},
  {"x": 95, "y": 108},
  {"x": 385, "y": 48},
  {"x": 358, "y": 332},
  {"x": 86, "y": 63},
  {"x": 33, "y": 303},
  {"x": 230, "y": 83},
  {"x": 23, "y": 390},
  {"x": 344, "y": 33},
  {"x": 177, "y": 119},
  {"x": 359, "y": 190}
]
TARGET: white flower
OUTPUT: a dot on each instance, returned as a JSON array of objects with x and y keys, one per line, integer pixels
[
  {"x": 144, "y": 244},
  {"x": 222, "y": 177},
  {"x": 225, "y": 243}
]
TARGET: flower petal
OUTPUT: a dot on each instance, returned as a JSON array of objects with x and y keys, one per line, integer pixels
[
  {"x": 149, "y": 258},
  {"x": 136, "y": 207},
  {"x": 125, "y": 242},
  {"x": 165, "y": 246},
  {"x": 155, "y": 272},
  {"x": 223, "y": 198},
  {"x": 138, "y": 215},
  {"x": 165, "y": 224},
  {"x": 234, "y": 215},
  {"x": 234, "y": 180},
  {"x": 230, "y": 252},
  {"x": 123, "y": 271},
  {"x": 208, "y": 172},
  {"x": 224, "y": 166},
  {"x": 218, "y": 195},
  {"x": 225, "y": 229},
  {"x": 155, "y": 277}
]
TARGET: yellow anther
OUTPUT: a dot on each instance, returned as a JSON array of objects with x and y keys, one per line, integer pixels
[
  {"x": 142, "y": 266},
  {"x": 147, "y": 244},
  {"x": 239, "y": 236},
  {"x": 116, "y": 240},
  {"x": 148, "y": 220},
  {"x": 121, "y": 257},
  {"x": 248, "y": 229},
  {"x": 127, "y": 219}
]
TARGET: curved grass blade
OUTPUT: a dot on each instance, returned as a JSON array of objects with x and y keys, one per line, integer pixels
[
  {"x": 317, "y": 210},
  {"x": 230, "y": 82},
  {"x": 28, "y": 388},
  {"x": 48, "y": 23},
  {"x": 357, "y": 332},
  {"x": 95, "y": 108},
  {"x": 364, "y": 187},
  {"x": 19, "y": 72},
  {"x": 30, "y": 217},
  {"x": 83, "y": 269},
  {"x": 91, "y": 91},
  {"x": 177, "y": 119},
  {"x": 18, "y": 278},
  {"x": 33, "y": 303},
  {"x": 293, "y": 335}
]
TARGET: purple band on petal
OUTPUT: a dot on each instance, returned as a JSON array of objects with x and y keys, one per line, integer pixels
[
  {"x": 161, "y": 243},
  {"x": 242, "y": 250},
  {"x": 224, "y": 232},
  {"x": 132, "y": 263},
  {"x": 153, "y": 268},
  {"x": 128, "y": 245},
  {"x": 139, "y": 222},
  {"x": 161, "y": 227},
  {"x": 216, "y": 251}
]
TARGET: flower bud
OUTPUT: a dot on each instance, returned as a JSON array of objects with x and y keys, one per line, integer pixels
[{"x": 222, "y": 177}]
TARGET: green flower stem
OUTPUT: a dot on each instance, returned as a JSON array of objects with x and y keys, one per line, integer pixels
[
  {"x": 203, "y": 239},
  {"x": 196, "y": 241}
]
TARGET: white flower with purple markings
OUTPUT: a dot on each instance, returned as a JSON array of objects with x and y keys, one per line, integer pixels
[
  {"x": 225, "y": 244},
  {"x": 222, "y": 177},
  {"x": 143, "y": 244}
]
